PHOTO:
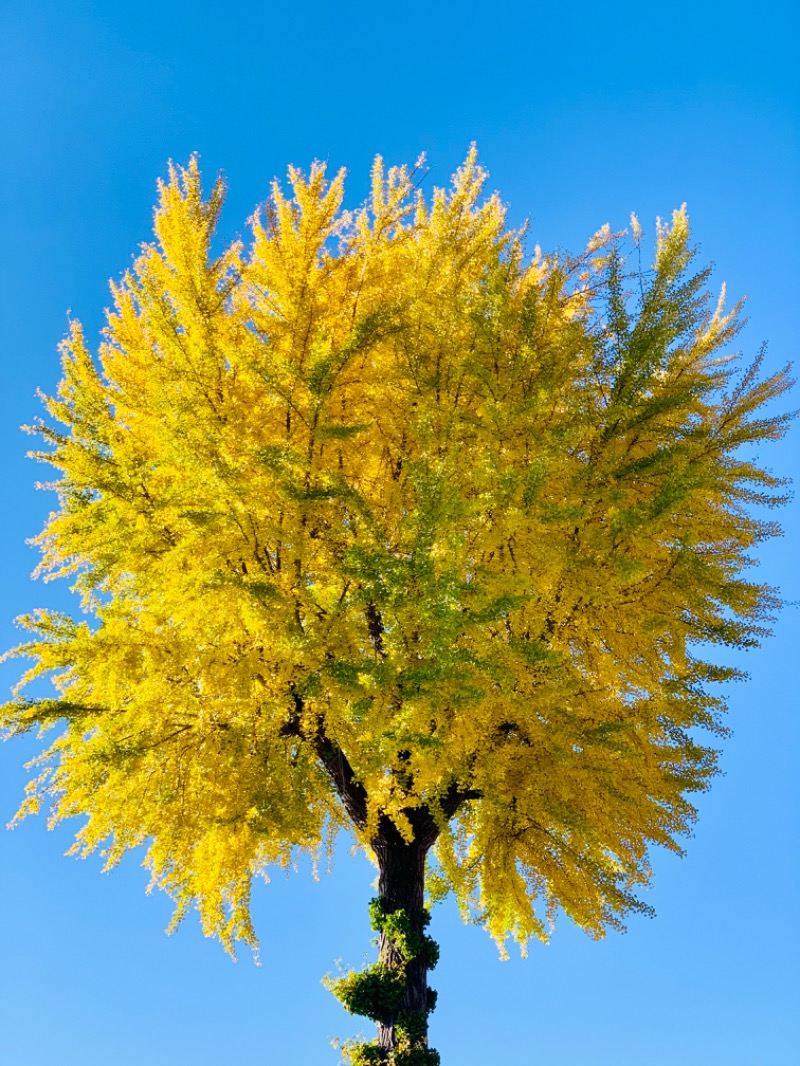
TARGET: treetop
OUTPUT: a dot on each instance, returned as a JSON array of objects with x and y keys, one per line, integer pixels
[{"x": 380, "y": 523}]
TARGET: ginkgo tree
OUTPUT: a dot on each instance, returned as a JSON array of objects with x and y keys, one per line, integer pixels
[{"x": 382, "y": 525}]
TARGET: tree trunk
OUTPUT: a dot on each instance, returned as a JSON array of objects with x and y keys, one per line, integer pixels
[{"x": 401, "y": 886}]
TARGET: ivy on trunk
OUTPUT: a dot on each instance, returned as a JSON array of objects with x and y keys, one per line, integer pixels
[{"x": 394, "y": 992}]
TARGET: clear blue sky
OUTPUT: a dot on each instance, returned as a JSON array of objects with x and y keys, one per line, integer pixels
[{"x": 583, "y": 112}]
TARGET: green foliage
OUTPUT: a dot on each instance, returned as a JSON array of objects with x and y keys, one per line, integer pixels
[
  {"x": 378, "y": 991},
  {"x": 419, "y": 1056},
  {"x": 405, "y": 931},
  {"x": 374, "y": 993},
  {"x": 370, "y": 1054},
  {"x": 412, "y": 1026},
  {"x": 416, "y": 1056},
  {"x": 364, "y": 1054}
]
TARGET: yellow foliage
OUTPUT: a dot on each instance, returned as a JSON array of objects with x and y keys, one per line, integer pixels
[{"x": 380, "y": 483}]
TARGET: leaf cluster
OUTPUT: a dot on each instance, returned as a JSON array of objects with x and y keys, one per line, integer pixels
[{"x": 379, "y": 521}]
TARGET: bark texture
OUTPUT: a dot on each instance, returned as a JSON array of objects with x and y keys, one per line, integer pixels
[{"x": 401, "y": 886}]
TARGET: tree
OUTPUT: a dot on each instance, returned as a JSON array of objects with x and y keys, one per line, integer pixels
[{"x": 381, "y": 526}]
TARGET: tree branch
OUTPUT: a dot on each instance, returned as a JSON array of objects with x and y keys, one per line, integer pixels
[
  {"x": 335, "y": 763},
  {"x": 375, "y": 629},
  {"x": 456, "y": 797},
  {"x": 425, "y": 826},
  {"x": 354, "y": 796}
]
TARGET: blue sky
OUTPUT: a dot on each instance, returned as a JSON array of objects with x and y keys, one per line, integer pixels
[{"x": 582, "y": 113}]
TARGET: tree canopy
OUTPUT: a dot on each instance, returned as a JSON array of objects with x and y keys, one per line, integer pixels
[{"x": 381, "y": 524}]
